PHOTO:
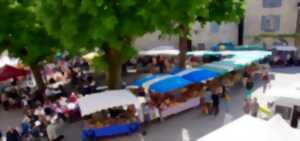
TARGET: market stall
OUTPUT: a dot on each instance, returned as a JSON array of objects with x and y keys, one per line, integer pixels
[
  {"x": 109, "y": 113},
  {"x": 286, "y": 101},
  {"x": 8, "y": 72},
  {"x": 160, "y": 50},
  {"x": 221, "y": 69},
  {"x": 170, "y": 94},
  {"x": 284, "y": 55},
  {"x": 198, "y": 75}
]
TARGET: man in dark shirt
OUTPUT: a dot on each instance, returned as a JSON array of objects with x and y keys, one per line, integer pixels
[{"x": 12, "y": 135}]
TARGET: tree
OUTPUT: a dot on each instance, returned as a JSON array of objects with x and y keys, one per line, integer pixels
[
  {"x": 24, "y": 37},
  {"x": 185, "y": 13},
  {"x": 110, "y": 25}
]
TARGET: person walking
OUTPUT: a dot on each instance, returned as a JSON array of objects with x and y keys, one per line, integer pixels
[
  {"x": 249, "y": 87},
  {"x": 12, "y": 135},
  {"x": 266, "y": 78},
  {"x": 254, "y": 106},
  {"x": 246, "y": 106},
  {"x": 1, "y": 135},
  {"x": 216, "y": 101}
]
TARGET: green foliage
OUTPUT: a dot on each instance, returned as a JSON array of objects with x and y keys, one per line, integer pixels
[
  {"x": 90, "y": 24},
  {"x": 21, "y": 35}
]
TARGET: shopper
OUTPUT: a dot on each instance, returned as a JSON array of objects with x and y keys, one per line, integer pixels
[
  {"x": 254, "y": 107},
  {"x": 12, "y": 135},
  {"x": 1, "y": 135},
  {"x": 216, "y": 101},
  {"x": 246, "y": 106},
  {"x": 249, "y": 87},
  {"x": 266, "y": 78}
]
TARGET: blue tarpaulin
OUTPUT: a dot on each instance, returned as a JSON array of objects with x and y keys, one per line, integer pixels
[
  {"x": 110, "y": 131},
  {"x": 176, "y": 70},
  {"x": 167, "y": 83},
  {"x": 139, "y": 83},
  {"x": 198, "y": 74}
]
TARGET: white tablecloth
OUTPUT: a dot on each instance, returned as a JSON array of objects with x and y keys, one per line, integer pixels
[{"x": 194, "y": 102}]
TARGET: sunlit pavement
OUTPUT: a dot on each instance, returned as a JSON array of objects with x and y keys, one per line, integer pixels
[{"x": 187, "y": 126}]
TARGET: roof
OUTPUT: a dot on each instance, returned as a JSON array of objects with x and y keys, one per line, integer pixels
[
  {"x": 248, "y": 128},
  {"x": 198, "y": 74},
  {"x": 100, "y": 101},
  {"x": 166, "y": 83}
]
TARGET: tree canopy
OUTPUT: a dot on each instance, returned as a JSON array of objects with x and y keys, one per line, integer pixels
[
  {"x": 111, "y": 25},
  {"x": 22, "y": 35}
]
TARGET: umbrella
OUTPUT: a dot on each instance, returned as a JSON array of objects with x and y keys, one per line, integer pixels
[{"x": 7, "y": 72}]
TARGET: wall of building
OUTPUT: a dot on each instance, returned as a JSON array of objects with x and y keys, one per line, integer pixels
[
  {"x": 229, "y": 32},
  {"x": 253, "y": 16},
  {"x": 200, "y": 35}
]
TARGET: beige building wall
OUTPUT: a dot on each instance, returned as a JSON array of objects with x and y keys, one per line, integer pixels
[
  {"x": 228, "y": 32},
  {"x": 255, "y": 11},
  {"x": 200, "y": 35}
]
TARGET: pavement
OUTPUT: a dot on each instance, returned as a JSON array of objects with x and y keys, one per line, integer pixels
[{"x": 186, "y": 126}]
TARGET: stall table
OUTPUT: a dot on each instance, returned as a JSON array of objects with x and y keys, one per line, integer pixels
[
  {"x": 191, "y": 103},
  {"x": 110, "y": 131}
]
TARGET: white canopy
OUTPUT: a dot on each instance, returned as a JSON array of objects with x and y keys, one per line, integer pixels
[
  {"x": 248, "y": 128},
  {"x": 108, "y": 99},
  {"x": 5, "y": 60},
  {"x": 285, "y": 48},
  {"x": 160, "y": 50},
  {"x": 286, "y": 95}
]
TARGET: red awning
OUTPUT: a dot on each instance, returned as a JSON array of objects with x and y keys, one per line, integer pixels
[{"x": 7, "y": 72}]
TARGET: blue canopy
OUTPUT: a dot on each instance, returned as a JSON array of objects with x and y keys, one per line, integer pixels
[
  {"x": 198, "y": 74},
  {"x": 139, "y": 82},
  {"x": 176, "y": 70},
  {"x": 167, "y": 83}
]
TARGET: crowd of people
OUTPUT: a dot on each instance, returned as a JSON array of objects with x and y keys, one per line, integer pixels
[
  {"x": 45, "y": 112},
  {"x": 45, "y": 115}
]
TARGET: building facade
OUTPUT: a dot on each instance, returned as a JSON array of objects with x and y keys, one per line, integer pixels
[
  {"x": 202, "y": 36},
  {"x": 272, "y": 17}
]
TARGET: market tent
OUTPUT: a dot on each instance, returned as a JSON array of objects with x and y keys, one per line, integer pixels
[
  {"x": 166, "y": 83},
  {"x": 285, "y": 95},
  {"x": 139, "y": 82},
  {"x": 100, "y": 101},
  {"x": 277, "y": 125},
  {"x": 250, "y": 47},
  {"x": 90, "y": 56},
  {"x": 5, "y": 60},
  {"x": 176, "y": 70},
  {"x": 201, "y": 53},
  {"x": 248, "y": 128},
  {"x": 221, "y": 69},
  {"x": 8, "y": 72},
  {"x": 197, "y": 74},
  {"x": 285, "y": 48},
  {"x": 231, "y": 64},
  {"x": 223, "y": 46},
  {"x": 160, "y": 50}
]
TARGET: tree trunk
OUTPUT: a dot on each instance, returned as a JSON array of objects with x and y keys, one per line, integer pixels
[
  {"x": 114, "y": 72},
  {"x": 36, "y": 70},
  {"x": 183, "y": 47}
]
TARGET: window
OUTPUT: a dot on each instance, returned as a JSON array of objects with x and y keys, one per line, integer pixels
[
  {"x": 270, "y": 23},
  {"x": 272, "y": 3},
  {"x": 214, "y": 28}
]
